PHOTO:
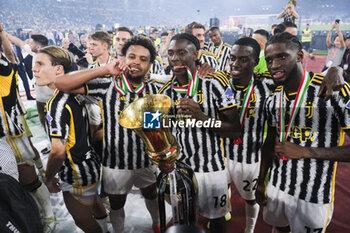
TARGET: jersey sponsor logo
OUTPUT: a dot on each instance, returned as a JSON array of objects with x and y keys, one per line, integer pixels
[
  {"x": 151, "y": 120},
  {"x": 303, "y": 133}
]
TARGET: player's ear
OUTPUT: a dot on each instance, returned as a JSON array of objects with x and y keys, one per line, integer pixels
[{"x": 300, "y": 55}]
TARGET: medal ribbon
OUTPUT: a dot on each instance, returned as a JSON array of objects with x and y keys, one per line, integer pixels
[
  {"x": 218, "y": 50},
  {"x": 191, "y": 90},
  {"x": 245, "y": 105},
  {"x": 124, "y": 86},
  {"x": 297, "y": 103},
  {"x": 109, "y": 59}
]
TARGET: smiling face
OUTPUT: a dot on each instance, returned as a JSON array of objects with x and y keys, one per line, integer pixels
[
  {"x": 242, "y": 62},
  {"x": 181, "y": 54},
  {"x": 138, "y": 61},
  {"x": 282, "y": 61}
]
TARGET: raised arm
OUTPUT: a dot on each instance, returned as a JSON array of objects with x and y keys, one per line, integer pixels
[
  {"x": 281, "y": 14},
  {"x": 329, "y": 37},
  {"x": 294, "y": 12},
  {"x": 340, "y": 35},
  {"x": 6, "y": 45},
  {"x": 73, "y": 82},
  {"x": 14, "y": 40}
]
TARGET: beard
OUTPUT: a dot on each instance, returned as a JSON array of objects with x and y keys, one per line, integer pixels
[{"x": 137, "y": 79}]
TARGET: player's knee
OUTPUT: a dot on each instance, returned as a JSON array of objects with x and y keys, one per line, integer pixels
[
  {"x": 283, "y": 229},
  {"x": 117, "y": 201},
  {"x": 250, "y": 202},
  {"x": 150, "y": 192}
]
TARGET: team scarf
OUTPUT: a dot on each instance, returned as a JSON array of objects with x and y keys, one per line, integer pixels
[
  {"x": 123, "y": 86},
  {"x": 191, "y": 90},
  {"x": 218, "y": 50},
  {"x": 297, "y": 103},
  {"x": 245, "y": 105}
]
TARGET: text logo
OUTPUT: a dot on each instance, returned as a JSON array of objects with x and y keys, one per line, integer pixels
[{"x": 151, "y": 120}]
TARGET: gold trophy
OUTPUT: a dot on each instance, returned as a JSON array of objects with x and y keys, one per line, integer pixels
[{"x": 179, "y": 187}]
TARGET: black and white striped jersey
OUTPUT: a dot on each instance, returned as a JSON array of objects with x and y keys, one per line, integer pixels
[
  {"x": 222, "y": 53},
  {"x": 10, "y": 102},
  {"x": 248, "y": 149},
  {"x": 122, "y": 148},
  {"x": 157, "y": 66},
  {"x": 317, "y": 124},
  {"x": 208, "y": 57},
  {"x": 66, "y": 119},
  {"x": 201, "y": 148}
]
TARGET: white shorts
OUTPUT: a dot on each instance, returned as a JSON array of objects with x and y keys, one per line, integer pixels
[
  {"x": 283, "y": 209},
  {"x": 245, "y": 177},
  {"x": 120, "y": 182},
  {"x": 21, "y": 148},
  {"x": 213, "y": 198},
  {"x": 83, "y": 194}
]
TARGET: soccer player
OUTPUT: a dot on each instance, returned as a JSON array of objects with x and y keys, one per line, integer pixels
[
  {"x": 261, "y": 36},
  {"x": 124, "y": 160},
  {"x": 99, "y": 43},
  {"x": 219, "y": 48},
  {"x": 123, "y": 34},
  {"x": 71, "y": 155},
  {"x": 198, "y": 30},
  {"x": 200, "y": 148},
  {"x": 13, "y": 130},
  {"x": 300, "y": 193},
  {"x": 243, "y": 155}
]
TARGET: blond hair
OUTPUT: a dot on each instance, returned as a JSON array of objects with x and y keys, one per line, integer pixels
[{"x": 59, "y": 56}]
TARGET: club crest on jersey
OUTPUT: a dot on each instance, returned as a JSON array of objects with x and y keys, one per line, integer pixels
[
  {"x": 348, "y": 105},
  {"x": 151, "y": 120},
  {"x": 229, "y": 93}
]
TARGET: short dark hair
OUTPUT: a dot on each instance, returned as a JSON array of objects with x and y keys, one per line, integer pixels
[
  {"x": 164, "y": 34},
  {"x": 143, "y": 41},
  {"x": 125, "y": 29},
  {"x": 247, "y": 41},
  {"x": 288, "y": 24},
  {"x": 40, "y": 39},
  {"x": 189, "y": 27},
  {"x": 287, "y": 38},
  {"x": 189, "y": 37},
  {"x": 214, "y": 28},
  {"x": 263, "y": 33},
  {"x": 101, "y": 36}
]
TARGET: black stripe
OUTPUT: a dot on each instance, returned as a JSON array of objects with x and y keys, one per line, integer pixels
[
  {"x": 306, "y": 177},
  {"x": 327, "y": 193},
  {"x": 317, "y": 181}
]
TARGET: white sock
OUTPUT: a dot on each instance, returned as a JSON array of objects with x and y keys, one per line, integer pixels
[
  {"x": 251, "y": 213},
  {"x": 103, "y": 224},
  {"x": 117, "y": 219},
  {"x": 42, "y": 195},
  {"x": 152, "y": 206}
]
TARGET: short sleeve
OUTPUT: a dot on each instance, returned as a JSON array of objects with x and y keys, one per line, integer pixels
[
  {"x": 98, "y": 87},
  {"x": 222, "y": 93},
  {"x": 58, "y": 123}
]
